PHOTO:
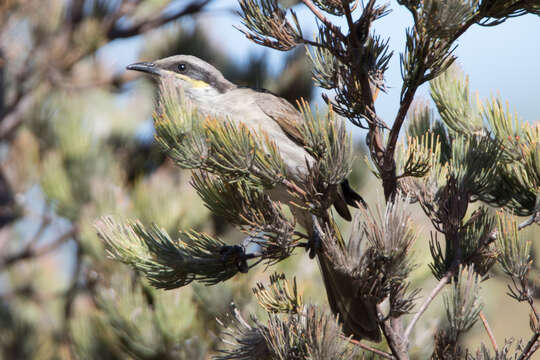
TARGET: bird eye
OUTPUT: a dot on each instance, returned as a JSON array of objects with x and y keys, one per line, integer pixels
[{"x": 181, "y": 67}]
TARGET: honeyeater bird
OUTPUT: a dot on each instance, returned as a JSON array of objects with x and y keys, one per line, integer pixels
[{"x": 262, "y": 111}]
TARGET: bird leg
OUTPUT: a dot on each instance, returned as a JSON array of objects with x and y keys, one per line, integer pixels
[{"x": 239, "y": 254}]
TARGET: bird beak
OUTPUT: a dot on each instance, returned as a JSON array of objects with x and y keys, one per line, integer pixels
[{"x": 146, "y": 67}]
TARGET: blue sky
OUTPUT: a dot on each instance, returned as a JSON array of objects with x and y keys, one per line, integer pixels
[
  {"x": 501, "y": 60},
  {"x": 504, "y": 59}
]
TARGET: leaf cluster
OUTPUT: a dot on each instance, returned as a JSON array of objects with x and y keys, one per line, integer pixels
[
  {"x": 377, "y": 257},
  {"x": 293, "y": 330},
  {"x": 168, "y": 263}
]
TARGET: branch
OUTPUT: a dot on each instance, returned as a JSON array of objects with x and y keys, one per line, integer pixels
[
  {"x": 30, "y": 252},
  {"x": 398, "y": 122},
  {"x": 531, "y": 347},
  {"x": 534, "y": 218},
  {"x": 489, "y": 332},
  {"x": 323, "y": 19},
  {"x": 400, "y": 118},
  {"x": 395, "y": 342},
  {"x": 13, "y": 118},
  {"x": 154, "y": 21},
  {"x": 369, "y": 348},
  {"x": 426, "y": 303}
]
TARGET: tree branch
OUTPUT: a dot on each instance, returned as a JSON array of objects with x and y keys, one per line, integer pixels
[
  {"x": 30, "y": 252},
  {"x": 488, "y": 331},
  {"x": 531, "y": 347},
  {"x": 426, "y": 303},
  {"x": 396, "y": 126},
  {"x": 396, "y": 343},
  {"x": 154, "y": 21},
  {"x": 371, "y": 349},
  {"x": 534, "y": 218},
  {"x": 323, "y": 19}
]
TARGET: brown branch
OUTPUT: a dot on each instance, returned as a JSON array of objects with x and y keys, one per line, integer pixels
[
  {"x": 390, "y": 180},
  {"x": 13, "y": 118},
  {"x": 398, "y": 122},
  {"x": 533, "y": 308},
  {"x": 369, "y": 348},
  {"x": 323, "y": 19},
  {"x": 488, "y": 331},
  {"x": 426, "y": 303},
  {"x": 154, "y": 21},
  {"x": 397, "y": 344},
  {"x": 350, "y": 23},
  {"x": 30, "y": 252},
  {"x": 531, "y": 347},
  {"x": 534, "y": 218}
]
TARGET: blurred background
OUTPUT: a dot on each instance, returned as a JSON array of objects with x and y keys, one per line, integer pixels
[{"x": 76, "y": 143}]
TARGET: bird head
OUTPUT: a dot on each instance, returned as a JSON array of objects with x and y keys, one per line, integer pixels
[{"x": 193, "y": 75}]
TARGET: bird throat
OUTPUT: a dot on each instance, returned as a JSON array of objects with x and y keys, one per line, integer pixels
[{"x": 197, "y": 84}]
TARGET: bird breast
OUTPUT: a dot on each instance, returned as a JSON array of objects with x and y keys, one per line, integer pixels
[{"x": 240, "y": 107}]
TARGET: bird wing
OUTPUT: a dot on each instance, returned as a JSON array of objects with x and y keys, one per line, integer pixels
[
  {"x": 290, "y": 120},
  {"x": 281, "y": 111}
]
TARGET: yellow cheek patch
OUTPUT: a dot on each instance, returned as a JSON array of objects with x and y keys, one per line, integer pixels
[{"x": 194, "y": 83}]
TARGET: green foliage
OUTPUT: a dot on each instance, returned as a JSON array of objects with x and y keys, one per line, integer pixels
[
  {"x": 151, "y": 324},
  {"x": 279, "y": 296},
  {"x": 450, "y": 92},
  {"x": 516, "y": 260},
  {"x": 324, "y": 67},
  {"x": 167, "y": 263},
  {"x": 463, "y": 304},
  {"x": 420, "y": 154},
  {"x": 77, "y": 145},
  {"x": 20, "y": 337},
  {"x": 328, "y": 141},
  {"x": 251, "y": 211},
  {"x": 309, "y": 334},
  {"x": 267, "y": 20}
]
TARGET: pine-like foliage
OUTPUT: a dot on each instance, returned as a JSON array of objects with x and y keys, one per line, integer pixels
[
  {"x": 456, "y": 154},
  {"x": 472, "y": 167},
  {"x": 75, "y": 147}
]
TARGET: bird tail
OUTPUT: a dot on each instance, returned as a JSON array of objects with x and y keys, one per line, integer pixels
[
  {"x": 351, "y": 197},
  {"x": 347, "y": 196},
  {"x": 357, "y": 314}
]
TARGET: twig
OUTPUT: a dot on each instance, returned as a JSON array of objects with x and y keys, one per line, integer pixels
[
  {"x": 369, "y": 348},
  {"x": 533, "y": 348},
  {"x": 30, "y": 252},
  {"x": 533, "y": 308},
  {"x": 293, "y": 187},
  {"x": 398, "y": 122},
  {"x": 323, "y": 19},
  {"x": 154, "y": 22},
  {"x": 488, "y": 330},
  {"x": 535, "y": 217},
  {"x": 530, "y": 348},
  {"x": 350, "y": 23},
  {"x": 395, "y": 342},
  {"x": 15, "y": 116},
  {"x": 426, "y": 303}
]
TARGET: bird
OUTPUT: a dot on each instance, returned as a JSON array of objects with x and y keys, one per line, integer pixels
[{"x": 262, "y": 111}]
